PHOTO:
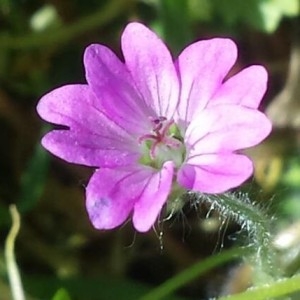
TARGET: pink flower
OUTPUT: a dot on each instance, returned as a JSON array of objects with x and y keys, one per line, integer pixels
[{"x": 152, "y": 126}]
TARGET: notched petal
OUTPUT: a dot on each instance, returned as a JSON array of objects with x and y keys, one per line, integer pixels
[
  {"x": 151, "y": 66},
  {"x": 114, "y": 87},
  {"x": 202, "y": 67},
  {"x": 215, "y": 173},
  {"x": 62, "y": 105},
  {"x": 246, "y": 88},
  {"x": 112, "y": 195},
  {"x": 226, "y": 128},
  {"x": 89, "y": 150}
]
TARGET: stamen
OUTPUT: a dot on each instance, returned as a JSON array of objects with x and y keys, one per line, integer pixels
[
  {"x": 147, "y": 137},
  {"x": 161, "y": 135}
]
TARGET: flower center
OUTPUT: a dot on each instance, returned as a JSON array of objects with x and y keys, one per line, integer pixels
[{"x": 163, "y": 143}]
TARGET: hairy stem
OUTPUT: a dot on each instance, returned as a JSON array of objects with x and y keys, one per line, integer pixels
[
  {"x": 252, "y": 219},
  {"x": 276, "y": 289}
]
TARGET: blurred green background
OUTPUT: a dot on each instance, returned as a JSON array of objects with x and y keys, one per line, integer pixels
[{"x": 41, "y": 47}]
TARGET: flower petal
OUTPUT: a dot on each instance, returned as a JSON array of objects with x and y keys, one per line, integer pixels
[
  {"x": 215, "y": 173},
  {"x": 62, "y": 105},
  {"x": 82, "y": 147},
  {"x": 93, "y": 139},
  {"x": 74, "y": 106},
  {"x": 152, "y": 69},
  {"x": 226, "y": 128},
  {"x": 112, "y": 83},
  {"x": 154, "y": 196},
  {"x": 245, "y": 88},
  {"x": 112, "y": 194},
  {"x": 202, "y": 67}
]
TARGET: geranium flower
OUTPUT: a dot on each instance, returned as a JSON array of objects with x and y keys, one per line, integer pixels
[{"x": 154, "y": 127}]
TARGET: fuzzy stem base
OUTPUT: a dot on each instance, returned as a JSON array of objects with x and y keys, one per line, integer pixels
[{"x": 252, "y": 219}]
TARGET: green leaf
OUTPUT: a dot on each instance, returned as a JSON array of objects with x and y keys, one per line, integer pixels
[
  {"x": 33, "y": 179},
  {"x": 193, "y": 272}
]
